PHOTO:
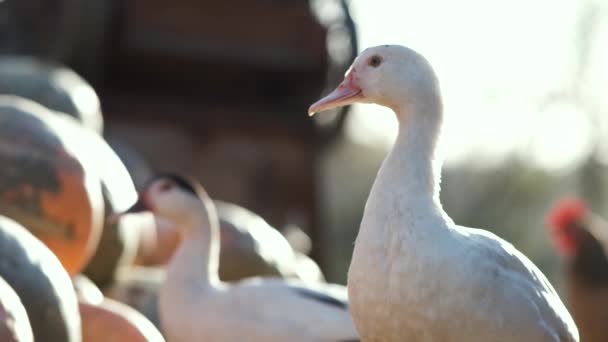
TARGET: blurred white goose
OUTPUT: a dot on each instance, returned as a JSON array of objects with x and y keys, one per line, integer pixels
[
  {"x": 196, "y": 306},
  {"x": 415, "y": 275}
]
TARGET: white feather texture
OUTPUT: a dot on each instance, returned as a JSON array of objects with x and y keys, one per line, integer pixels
[{"x": 415, "y": 275}]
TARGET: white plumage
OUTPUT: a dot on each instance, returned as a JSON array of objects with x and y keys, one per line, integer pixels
[
  {"x": 415, "y": 275},
  {"x": 196, "y": 306}
]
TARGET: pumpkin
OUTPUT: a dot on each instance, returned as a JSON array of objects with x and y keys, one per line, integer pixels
[
  {"x": 120, "y": 237},
  {"x": 245, "y": 250},
  {"x": 14, "y": 324},
  {"x": 38, "y": 278},
  {"x": 86, "y": 290},
  {"x": 157, "y": 240},
  {"x": 48, "y": 181},
  {"x": 139, "y": 287},
  {"x": 112, "y": 321},
  {"x": 52, "y": 85},
  {"x": 135, "y": 162},
  {"x": 251, "y": 247}
]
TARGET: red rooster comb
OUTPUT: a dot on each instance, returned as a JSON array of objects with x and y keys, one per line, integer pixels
[{"x": 565, "y": 212}]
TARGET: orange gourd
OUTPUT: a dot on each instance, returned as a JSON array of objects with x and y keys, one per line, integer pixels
[
  {"x": 120, "y": 238},
  {"x": 48, "y": 182},
  {"x": 53, "y": 85},
  {"x": 112, "y": 321},
  {"x": 37, "y": 277}
]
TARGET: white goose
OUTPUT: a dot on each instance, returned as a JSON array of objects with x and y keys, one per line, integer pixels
[
  {"x": 415, "y": 275},
  {"x": 195, "y": 305}
]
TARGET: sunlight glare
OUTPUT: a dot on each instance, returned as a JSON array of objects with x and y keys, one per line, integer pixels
[
  {"x": 379, "y": 122},
  {"x": 496, "y": 65},
  {"x": 85, "y": 98},
  {"x": 563, "y": 138}
]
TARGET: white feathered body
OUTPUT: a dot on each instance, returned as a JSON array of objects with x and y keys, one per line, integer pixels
[
  {"x": 415, "y": 276},
  {"x": 259, "y": 309}
]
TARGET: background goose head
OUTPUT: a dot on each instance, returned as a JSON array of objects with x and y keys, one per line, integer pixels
[
  {"x": 175, "y": 198},
  {"x": 387, "y": 75}
]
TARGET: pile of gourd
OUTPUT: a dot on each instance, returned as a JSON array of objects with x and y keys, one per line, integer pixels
[{"x": 69, "y": 269}]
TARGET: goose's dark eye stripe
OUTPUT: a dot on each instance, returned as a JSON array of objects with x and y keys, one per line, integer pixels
[
  {"x": 176, "y": 180},
  {"x": 184, "y": 184},
  {"x": 165, "y": 186}
]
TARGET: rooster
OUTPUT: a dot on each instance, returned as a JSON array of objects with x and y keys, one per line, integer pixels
[{"x": 581, "y": 237}]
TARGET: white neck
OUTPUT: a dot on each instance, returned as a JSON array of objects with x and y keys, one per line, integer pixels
[
  {"x": 196, "y": 261},
  {"x": 415, "y": 148},
  {"x": 410, "y": 175}
]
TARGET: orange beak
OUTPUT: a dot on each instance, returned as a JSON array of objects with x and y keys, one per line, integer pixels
[{"x": 346, "y": 93}]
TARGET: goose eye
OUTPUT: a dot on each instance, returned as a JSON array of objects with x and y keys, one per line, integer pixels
[
  {"x": 165, "y": 186},
  {"x": 374, "y": 61}
]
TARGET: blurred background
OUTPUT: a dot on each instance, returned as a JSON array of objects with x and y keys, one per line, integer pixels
[{"x": 219, "y": 90}]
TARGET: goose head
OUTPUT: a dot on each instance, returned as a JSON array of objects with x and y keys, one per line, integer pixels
[
  {"x": 389, "y": 75},
  {"x": 173, "y": 197}
]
